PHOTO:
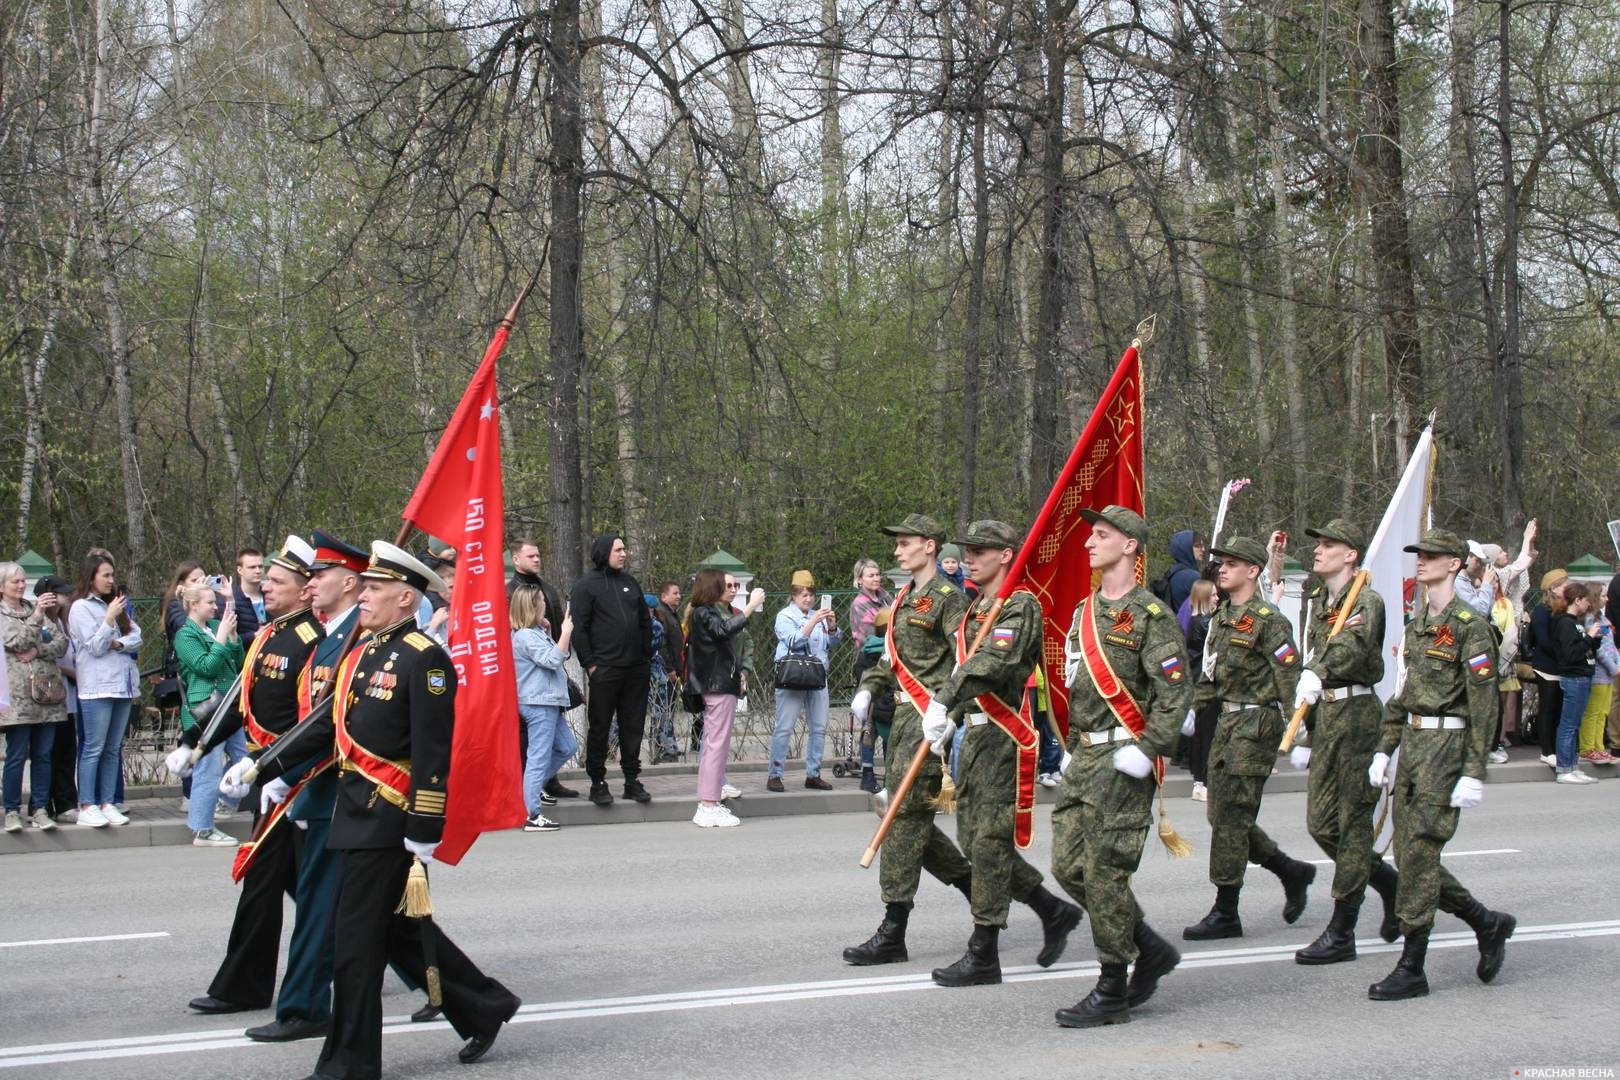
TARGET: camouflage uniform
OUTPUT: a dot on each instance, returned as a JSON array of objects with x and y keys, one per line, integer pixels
[
  {"x": 987, "y": 769},
  {"x": 922, "y": 636},
  {"x": 1102, "y": 815},
  {"x": 1344, "y": 734},
  {"x": 1450, "y": 671}
]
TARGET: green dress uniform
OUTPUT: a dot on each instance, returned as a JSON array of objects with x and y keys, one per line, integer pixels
[
  {"x": 921, "y": 622},
  {"x": 987, "y": 773},
  {"x": 1103, "y": 815},
  {"x": 1251, "y": 667},
  {"x": 1344, "y": 728},
  {"x": 1443, "y": 719}
]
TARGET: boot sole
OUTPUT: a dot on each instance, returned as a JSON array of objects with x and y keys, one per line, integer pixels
[
  {"x": 1188, "y": 935},
  {"x": 972, "y": 980},
  {"x": 1071, "y": 1020},
  {"x": 1421, "y": 992},
  {"x": 1318, "y": 961},
  {"x": 866, "y": 961},
  {"x": 1480, "y": 970}
]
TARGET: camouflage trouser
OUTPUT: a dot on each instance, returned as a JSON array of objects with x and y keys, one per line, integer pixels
[
  {"x": 1098, "y": 828},
  {"x": 986, "y": 794},
  {"x": 1339, "y": 810},
  {"x": 914, "y": 843},
  {"x": 1424, "y": 822},
  {"x": 1242, "y": 756}
]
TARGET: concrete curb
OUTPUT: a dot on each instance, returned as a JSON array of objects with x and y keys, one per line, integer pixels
[{"x": 170, "y": 828}]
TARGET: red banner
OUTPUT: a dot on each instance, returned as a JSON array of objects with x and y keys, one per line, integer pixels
[
  {"x": 460, "y": 500},
  {"x": 1105, "y": 468}
]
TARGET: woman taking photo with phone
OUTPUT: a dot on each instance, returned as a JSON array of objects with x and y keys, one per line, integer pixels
[
  {"x": 210, "y": 654},
  {"x": 802, "y": 632},
  {"x": 714, "y": 671},
  {"x": 34, "y": 642},
  {"x": 107, "y": 642}
]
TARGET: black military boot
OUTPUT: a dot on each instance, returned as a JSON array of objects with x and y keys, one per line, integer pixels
[
  {"x": 1384, "y": 881},
  {"x": 1155, "y": 958},
  {"x": 1296, "y": 878},
  {"x": 1492, "y": 929},
  {"x": 1106, "y": 1004},
  {"x": 1338, "y": 942},
  {"x": 1058, "y": 920},
  {"x": 1222, "y": 920},
  {"x": 869, "y": 782},
  {"x": 1407, "y": 980},
  {"x": 979, "y": 966},
  {"x": 964, "y": 885},
  {"x": 888, "y": 945}
]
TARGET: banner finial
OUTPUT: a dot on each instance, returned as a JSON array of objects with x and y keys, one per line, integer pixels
[{"x": 1144, "y": 331}]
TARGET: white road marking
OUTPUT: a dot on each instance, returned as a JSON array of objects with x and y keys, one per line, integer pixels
[
  {"x": 1443, "y": 855},
  {"x": 679, "y": 1001},
  {"x": 81, "y": 940}
]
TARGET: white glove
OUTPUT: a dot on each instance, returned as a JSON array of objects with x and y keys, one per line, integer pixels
[
  {"x": 935, "y": 722},
  {"x": 1063, "y": 766},
  {"x": 179, "y": 762},
  {"x": 1132, "y": 762},
  {"x": 1209, "y": 665},
  {"x": 1376, "y": 771},
  {"x": 1309, "y": 690},
  {"x": 231, "y": 784},
  {"x": 272, "y": 794},
  {"x": 421, "y": 850},
  {"x": 1190, "y": 725},
  {"x": 1468, "y": 793},
  {"x": 1300, "y": 757},
  {"x": 860, "y": 706}
]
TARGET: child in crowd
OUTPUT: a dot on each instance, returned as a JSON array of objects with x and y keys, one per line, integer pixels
[{"x": 1596, "y": 715}]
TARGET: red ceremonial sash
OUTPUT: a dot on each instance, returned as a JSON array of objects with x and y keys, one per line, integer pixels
[
  {"x": 1020, "y": 728},
  {"x": 258, "y": 735},
  {"x": 393, "y": 782},
  {"x": 910, "y": 685},
  {"x": 249, "y": 850},
  {"x": 1120, "y": 702}
]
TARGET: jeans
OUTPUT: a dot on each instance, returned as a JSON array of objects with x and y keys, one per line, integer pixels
[
  {"x": 104, "y": 721},
  {"x": 789, "y": 704},
  {"x": 28, "y": 744},
  {"x": 205, "y": 778},
  {"x": 1576, "y": 691},
  {"x": 1050, "y": 759},
  {"x": 551, "y": 742}
]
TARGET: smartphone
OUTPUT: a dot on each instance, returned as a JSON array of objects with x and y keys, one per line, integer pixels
[
  {"x": 826, "y": 602},
  {"x": 217, "y": 582}
]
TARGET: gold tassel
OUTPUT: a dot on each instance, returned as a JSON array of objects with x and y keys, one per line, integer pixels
[
  {"x": 1173, "y": 841},
  {"x": 417, "y": 903},
  {"x": 435, "y": 992},
  {"x": 945, "y": 801}
]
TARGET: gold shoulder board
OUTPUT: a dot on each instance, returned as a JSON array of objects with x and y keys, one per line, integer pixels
[
  {"x": 418, "y": 640},
  {"x": 1153, "y": 607},
  {"x": 1464, "y": 616},
  {"x": 306, "y": 633},
  {"x": 1265, "y": 611}
]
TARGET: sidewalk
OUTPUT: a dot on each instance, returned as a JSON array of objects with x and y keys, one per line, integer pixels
[{"x": 156, "y": 819}]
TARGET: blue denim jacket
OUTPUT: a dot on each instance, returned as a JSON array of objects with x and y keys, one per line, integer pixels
[
  {"x": 790, "y": 631},
  {"x": 540, "y": 676}
]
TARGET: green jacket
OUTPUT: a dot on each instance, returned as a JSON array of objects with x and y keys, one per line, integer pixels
[
  {"x": 1256, "y": 658},
  {"x": 1450, "y": 671},
  {"x": 205, "y": 664}
]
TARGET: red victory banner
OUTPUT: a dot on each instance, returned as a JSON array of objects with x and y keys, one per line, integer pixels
[
  {"x": 460, "y": 500},
  {"x": 1105, "y": 468}
]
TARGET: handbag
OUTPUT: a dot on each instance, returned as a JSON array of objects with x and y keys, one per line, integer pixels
[
  {"x": 576, "y": 696},
  {"x": 800, "y": 671},
  {"x": 204, "y": 710},
  {"x": 47, "y": 688}
]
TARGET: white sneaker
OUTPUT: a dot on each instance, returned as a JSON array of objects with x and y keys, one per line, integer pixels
[
  {"x": 1550, "y": 759},
  {"x": 42, "y": 820},
  {"x": 185, "y": 803},
  {"x": 224, "y": 811},
  {"x": 1200, "y": 792},
  {"x": 113, "y": 815},
  {"x": 1575, "y": 776},
  {"x": 1047, "y": 780},
  {"x": 1498, "y": 756},
  {"x": 212, "y": 838},
  {"x": 13, "y": 821},
  {"x": 714, "y": 817},
  {"x": 727, "y": 791},
  {"x": 93, "y": 817}
]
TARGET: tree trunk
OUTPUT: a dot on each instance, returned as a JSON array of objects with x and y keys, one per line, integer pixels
[
  {"x": 1045, "y": 454},
  {"x": 972, "y": 331},
  {"x": 1287, "y": 323},
  {"x": 1509, "y": 374},
  {"x": 134, "y": 572},
  {"x": 832, "y": 150},
  {"x": 33, "y": 382},
  {"x": 565, "y": 345}
]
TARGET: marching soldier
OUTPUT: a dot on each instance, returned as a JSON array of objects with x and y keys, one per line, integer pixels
[
  {"x": 304, "y": 1007},
  {"x": 995, "y": 785},
  {"x": 919, "y": 659},
  {"x": 1344, "y": 723},
  {"x": 273, "y": 681},
  {"x": 1128, "y": 690},
  {"x": 1250, "y": 666},
  {"x": 393, "y": 716},
  {"x": 1444, "y": 720}
]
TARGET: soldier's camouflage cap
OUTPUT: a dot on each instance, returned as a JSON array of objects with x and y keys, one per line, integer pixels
[
  {"x": 990, "y": 533},
  {"x": 1439, "y": 542},
  {"x": 1123, "y": 518},
  {"x": 918, "y": 525},
  {"x": 1343, "y": 531},
  {"x": 1245, "y": 548}
]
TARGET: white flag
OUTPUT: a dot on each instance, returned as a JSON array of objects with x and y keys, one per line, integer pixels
[{"x": 1394, "y": 572}]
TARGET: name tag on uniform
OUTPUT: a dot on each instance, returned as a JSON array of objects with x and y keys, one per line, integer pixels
[
  {"x": 924, "y": 624},
  {"x": 1448, "y": 655},
  {"x": 1241, "y": 642},
  {"x": 1122, "y": 641}
]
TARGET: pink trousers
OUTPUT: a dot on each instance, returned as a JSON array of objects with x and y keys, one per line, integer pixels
[{"x": 719, "y": 711}]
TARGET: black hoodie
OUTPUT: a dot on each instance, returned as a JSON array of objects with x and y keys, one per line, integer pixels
[{"x": 612, "y": 625}]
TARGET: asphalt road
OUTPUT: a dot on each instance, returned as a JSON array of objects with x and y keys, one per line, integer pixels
[{"x": 662, "y": 950}]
